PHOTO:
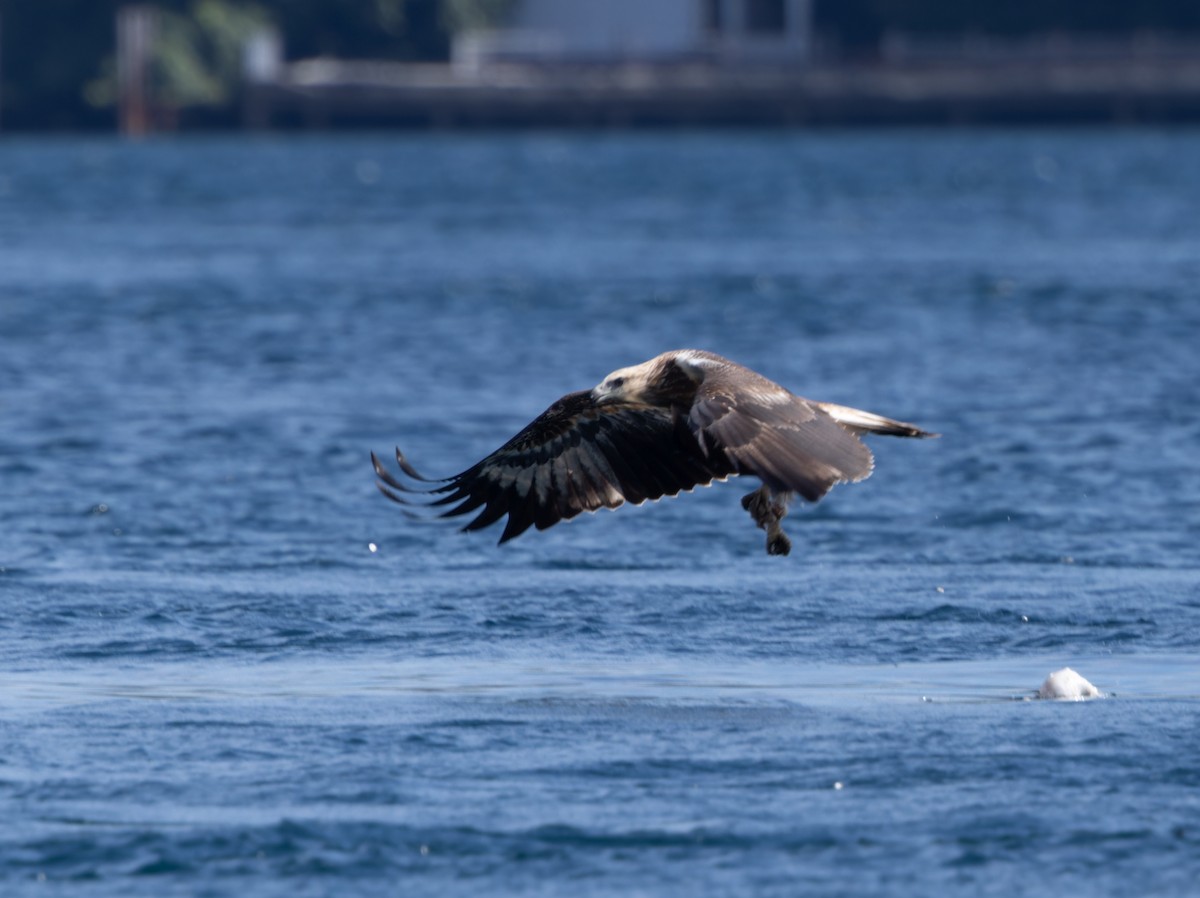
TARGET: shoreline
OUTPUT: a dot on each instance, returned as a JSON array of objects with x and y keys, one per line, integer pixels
[{"x": 322, "y": 93}]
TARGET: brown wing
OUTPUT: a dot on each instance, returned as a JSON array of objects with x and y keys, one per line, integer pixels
[
  {"x": 762, "y": 429},
  {"x": 576, "y": 456}
]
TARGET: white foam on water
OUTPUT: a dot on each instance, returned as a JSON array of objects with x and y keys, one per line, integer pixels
[{"x": 1067, "y": 685}]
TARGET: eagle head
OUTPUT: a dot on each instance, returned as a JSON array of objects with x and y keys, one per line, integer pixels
[
  {"x": 623, "y": 385},
  {"x": 662, "y": 381}
]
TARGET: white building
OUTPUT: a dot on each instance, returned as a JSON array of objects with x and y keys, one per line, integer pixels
[{"x": 614, "y": 31}]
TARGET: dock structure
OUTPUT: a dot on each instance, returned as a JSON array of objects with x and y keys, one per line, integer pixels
[
  {"x": 626, "y": 63},
  {"x": 723, "y": 62},
  {"x": 327, "y": 92}
]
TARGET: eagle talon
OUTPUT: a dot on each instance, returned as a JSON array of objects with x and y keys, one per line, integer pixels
[
  {"x": 767, "y": 510},
  {"x": 779, "y": 544}
]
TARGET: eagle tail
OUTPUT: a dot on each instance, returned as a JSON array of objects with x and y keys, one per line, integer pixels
[{"x": 867, "y": 422}]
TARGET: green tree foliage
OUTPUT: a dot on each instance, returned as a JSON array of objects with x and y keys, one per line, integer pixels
[
  {"x": 57, "y": 57},
  {"x": 199, "y": 56},
  {"x": 196, "y": 58}
]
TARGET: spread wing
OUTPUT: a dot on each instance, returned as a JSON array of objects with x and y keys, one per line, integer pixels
[
  {"x": 576, "y": 456},
  {"x": 764, "y": 430}
]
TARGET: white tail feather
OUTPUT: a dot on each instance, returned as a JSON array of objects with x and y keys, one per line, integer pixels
[{"x": 867, "y": 422}]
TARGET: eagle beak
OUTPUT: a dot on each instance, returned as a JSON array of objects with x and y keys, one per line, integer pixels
[{"x": 611, "y": 389}]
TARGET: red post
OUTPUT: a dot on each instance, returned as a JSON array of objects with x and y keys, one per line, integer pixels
[{"x": 135, "y": 38}]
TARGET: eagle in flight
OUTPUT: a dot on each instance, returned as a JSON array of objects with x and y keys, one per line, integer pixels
[{"x": 681, "y": 420}]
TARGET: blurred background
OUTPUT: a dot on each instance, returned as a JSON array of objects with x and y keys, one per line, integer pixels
[{"x": 204, "y": 64}]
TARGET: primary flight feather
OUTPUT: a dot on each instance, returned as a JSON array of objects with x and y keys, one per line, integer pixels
[{"x": 683, "y": 419}]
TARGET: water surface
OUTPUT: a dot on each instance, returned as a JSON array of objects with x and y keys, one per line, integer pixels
[{"x": 229, "y": 667}]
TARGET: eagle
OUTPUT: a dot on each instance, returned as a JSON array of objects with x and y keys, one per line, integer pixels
[{"x": 683, "y": 419}]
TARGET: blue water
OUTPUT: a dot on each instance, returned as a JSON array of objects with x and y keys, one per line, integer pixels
[{"x": 212, "y": 684}]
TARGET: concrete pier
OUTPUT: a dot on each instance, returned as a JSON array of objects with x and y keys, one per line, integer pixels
[{"x": 331, "y": 92}]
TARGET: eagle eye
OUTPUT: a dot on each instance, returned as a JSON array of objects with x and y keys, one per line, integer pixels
[{"x": 617, "y": 382}]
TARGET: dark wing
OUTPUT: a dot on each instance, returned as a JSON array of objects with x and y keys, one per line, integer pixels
[
  {"x": 762, "y": 429},
  {"x": 576, "y": 456}
]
